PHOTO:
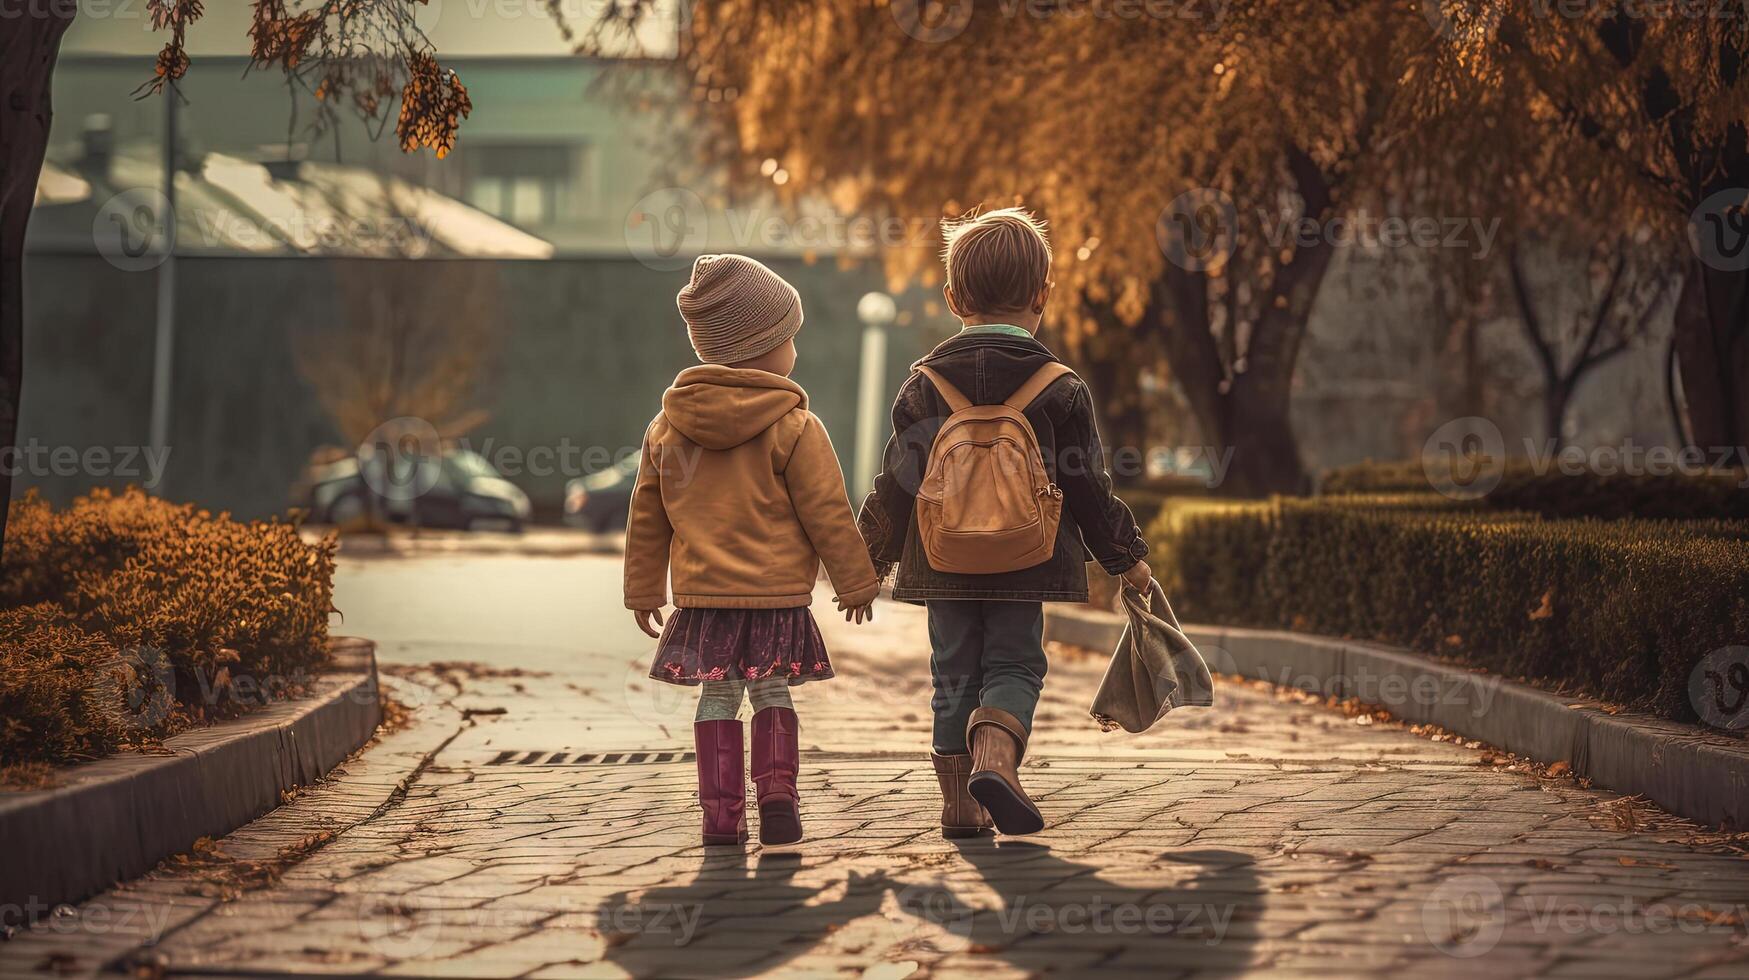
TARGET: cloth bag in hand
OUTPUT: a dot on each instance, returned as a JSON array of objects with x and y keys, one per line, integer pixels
[{"x": 1154, "y": 669}]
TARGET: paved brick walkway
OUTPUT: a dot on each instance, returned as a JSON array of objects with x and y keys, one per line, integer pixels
[{"x": 541, "y": 824}]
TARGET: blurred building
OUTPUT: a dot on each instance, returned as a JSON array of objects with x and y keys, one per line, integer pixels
[{"x": 576, "y": 227}]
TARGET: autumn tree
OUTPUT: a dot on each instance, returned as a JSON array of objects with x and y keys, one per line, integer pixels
[
  {"x": 1645, "y": 110},
  {"x": 1179, "y": 155},
  {"x": 1622, "y": 290}
]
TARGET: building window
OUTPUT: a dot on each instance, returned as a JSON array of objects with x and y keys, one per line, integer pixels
[{"x": 532, "y": 184}]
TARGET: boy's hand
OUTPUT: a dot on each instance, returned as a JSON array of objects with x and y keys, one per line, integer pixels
[
  {"x": 858, "y": 614},
  {"x": 1139, "y": 577},
  {"x": 643, "y": 616}
]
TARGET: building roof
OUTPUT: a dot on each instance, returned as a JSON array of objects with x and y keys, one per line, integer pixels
[{"x": 227, "y": 204}]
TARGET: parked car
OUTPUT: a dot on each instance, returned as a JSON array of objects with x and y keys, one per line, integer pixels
[
  {"x": 462, "y": 491},
  {"x": 600, "y": 501}
]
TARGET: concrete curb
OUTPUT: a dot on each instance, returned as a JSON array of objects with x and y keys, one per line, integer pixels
[
  {"x": 116, "y": 818},
  {"x": 1689, "y": 771}
]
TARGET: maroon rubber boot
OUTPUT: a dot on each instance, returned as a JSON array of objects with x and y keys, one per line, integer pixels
[
  {"x": 722, "y": 781},
  {"x": 776, "y": 761}
]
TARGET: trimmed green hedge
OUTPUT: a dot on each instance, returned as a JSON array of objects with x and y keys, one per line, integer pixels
[
  {"x": 1552, "y": 493},
  {"x": 1619, "y": 610},
  {"x": 124, "y": 618}
]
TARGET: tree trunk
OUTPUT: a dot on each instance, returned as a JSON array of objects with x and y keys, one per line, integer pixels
[
  {"x": 30, "y": 40},
  {"x": 1555, "y": 398},
  {"x": 1112, "y": 360},
  {"x": 1712, "y": 318},
  {"x": 1244, "y": 414}
]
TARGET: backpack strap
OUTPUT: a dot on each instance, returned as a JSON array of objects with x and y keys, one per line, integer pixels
[
  {"x": 956, "y": 402},
  {"x": 1036, "y": 385}
]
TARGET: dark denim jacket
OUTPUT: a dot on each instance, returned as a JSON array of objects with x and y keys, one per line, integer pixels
[{"x": 988, "y": 368}]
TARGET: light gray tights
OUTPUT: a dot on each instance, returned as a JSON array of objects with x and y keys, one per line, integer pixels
[{"x": 721, "y": 700}]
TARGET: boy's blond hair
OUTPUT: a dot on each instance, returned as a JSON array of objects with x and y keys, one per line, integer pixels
[{"x": 997, "y": 262}]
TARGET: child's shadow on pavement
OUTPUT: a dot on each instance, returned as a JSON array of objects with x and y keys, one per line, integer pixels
[
  {"x": 1058, "y": 915},
  {"x": 736, "y": 919},
  {"x": 732, "y": 919}
]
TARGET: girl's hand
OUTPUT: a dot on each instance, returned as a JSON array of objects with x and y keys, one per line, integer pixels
[
  {"x": 643, "y": 617},
  {"x": 859, "y": 614}
]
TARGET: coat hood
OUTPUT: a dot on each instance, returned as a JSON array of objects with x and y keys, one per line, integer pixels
[{"x": 722, "y": 407}]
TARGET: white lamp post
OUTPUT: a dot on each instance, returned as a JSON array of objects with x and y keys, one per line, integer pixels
[{"x": 876, "y": 310}]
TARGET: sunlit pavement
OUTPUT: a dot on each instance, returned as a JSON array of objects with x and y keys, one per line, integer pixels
[{"x": 536, "y": 818}]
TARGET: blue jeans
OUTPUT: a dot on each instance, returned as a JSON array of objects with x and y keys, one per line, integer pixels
[{"x": 985, "y": 653}]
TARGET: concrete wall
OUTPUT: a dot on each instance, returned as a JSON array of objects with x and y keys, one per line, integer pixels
[{"x": 588, "y": 347}]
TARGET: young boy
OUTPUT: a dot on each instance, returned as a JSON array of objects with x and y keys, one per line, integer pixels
[{"x": 986, "y": 631}]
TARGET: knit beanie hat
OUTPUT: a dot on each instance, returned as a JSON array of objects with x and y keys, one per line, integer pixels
[{"x": 736, "y": 309}]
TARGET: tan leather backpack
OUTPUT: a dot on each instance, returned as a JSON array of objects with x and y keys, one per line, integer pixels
[{"x": 986, "y": 504}]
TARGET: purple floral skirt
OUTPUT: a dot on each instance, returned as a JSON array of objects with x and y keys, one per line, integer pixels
[{"x": 701, "y": 645}]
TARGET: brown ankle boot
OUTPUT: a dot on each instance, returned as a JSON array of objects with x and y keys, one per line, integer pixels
[
  {"x": 961, "y": 816},
  {"x": 998, "y": 743}
]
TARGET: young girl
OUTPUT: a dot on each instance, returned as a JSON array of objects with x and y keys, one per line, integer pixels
[{"x": 739, "y": 496}]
